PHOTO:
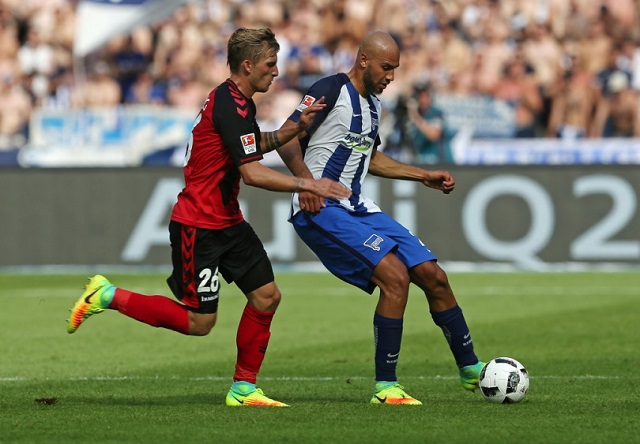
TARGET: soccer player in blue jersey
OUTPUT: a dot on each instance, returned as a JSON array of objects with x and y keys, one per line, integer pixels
[{"x": 353, "y": 238}]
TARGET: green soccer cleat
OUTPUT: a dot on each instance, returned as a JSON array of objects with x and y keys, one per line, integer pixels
[
  {"x": 470, "y": 375},
  {"x": 392, "y": 394},
  {"x": 96, "y": 297},
  {"x": 255, "y": 398}
]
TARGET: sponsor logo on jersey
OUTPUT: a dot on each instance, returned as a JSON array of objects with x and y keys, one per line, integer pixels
[
  {"x": 357, "y": 142},
  {"x": 209, "y": 298},
  {"x": 249, "y": 143},
  {"x": 373, "y": 242},
  {"x": 307, "y": 101}
]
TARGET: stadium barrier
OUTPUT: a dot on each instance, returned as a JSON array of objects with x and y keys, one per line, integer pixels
[{"x": 530, "y": 216}]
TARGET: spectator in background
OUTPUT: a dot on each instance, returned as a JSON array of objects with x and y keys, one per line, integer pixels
[
  {"x": 427, "y": 127},
  {"x": 130, "y": 56},
  {"x": 472, "y": 81},
  {"x": 63, "y": 26},
  {"x": 456, "y": 52},
  {"x": 572, "y": 102},
  {"x": 62, "y": 90},
  {"x": 14, "y": 113},
  {"x": 99, "y": 90},
  {"x": 9, "y": 45},
  {"x": 308, "y": 60},
  {"x": 596, "y": 46},
  {"x": 184, "y": 91},
  {"x": 145, "y": 91},
  {"x": 36, "y": 62},
  {"x": 544, "y": 53},
  {"x": 574, "y": 24},
  {"x": 497, "y": 52},
  {"x": 458, "y": 46},
  {"x": 616, "y": 113},
  {"x": 212, "y": 69},
  {"x": 518, "y": 88}
]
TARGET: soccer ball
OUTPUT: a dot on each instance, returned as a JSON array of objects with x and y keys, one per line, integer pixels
[{"x": 504, "y": 380}]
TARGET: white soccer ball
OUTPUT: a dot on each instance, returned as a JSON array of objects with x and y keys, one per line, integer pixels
[{"x": 504, "y": 380}]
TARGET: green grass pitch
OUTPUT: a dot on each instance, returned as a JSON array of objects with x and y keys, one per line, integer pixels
[{"x": 117, "y": 380}]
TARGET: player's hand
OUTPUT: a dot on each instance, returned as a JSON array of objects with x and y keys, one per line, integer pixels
[
  {"x": 309, "y": 113},
  {"x": 330, "y": 188},
  {"x": 310, "y": 203},
  {"x": 440, "y": 180}
]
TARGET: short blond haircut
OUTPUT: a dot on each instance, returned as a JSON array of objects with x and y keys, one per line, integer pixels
[{"x": 250, "y": 44}]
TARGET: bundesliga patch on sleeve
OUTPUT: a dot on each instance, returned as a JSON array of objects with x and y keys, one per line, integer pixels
[
  {"x": 249, "y": 143},
  {"x": 307, "y": 101}
]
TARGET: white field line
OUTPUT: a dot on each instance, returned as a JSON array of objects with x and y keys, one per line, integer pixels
[
  {"x": 346, "y": 291},
  {"x": 272, "y": 378}
]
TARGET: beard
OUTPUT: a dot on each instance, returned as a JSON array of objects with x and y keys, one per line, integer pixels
[{"x": 369, "y": 85}]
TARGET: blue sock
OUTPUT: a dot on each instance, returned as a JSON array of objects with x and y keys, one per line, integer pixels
[
  {"x": 456, "y": 332},
  {"x": 388, "y": 336}
]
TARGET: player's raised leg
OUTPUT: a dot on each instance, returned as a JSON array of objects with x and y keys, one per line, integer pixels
[
  {"x": 447, "y": 314},
  {"x": 154, "y": 310},
  {"x": 97, "y": 296}
]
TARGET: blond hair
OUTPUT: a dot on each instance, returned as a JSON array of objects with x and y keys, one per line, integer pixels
[{"x": 250, "y": 44}]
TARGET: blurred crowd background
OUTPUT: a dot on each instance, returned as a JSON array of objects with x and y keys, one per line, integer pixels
[{"x": 568, "y": 68}]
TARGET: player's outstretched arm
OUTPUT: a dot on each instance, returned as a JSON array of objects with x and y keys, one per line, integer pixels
[
  {"x": 257, "y": 175},
  {"x": 384, "y": 166},
  {"x": 270, "y": 141}
]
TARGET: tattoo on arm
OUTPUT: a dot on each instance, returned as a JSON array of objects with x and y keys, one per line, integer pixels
[
  {"x": 298, "y": 181},
  {"x": 271, "y": 141}
]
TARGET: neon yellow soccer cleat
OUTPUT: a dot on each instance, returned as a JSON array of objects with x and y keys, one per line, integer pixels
[
  {"x": 96, "y": 297},
  {"x": 392, "y": 394},
  {"x": 470, "y": 375},
  {"x": 255, "y": 398}
]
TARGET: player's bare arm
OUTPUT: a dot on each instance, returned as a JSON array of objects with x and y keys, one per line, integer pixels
[
  {"x": 257, "y": 175},
  {"x": 384, "y": 166},
  {"x": 275, "y": 139},
  {"x": 291, "y": 154}
]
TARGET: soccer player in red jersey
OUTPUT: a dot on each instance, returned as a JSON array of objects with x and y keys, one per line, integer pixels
[{"x": 208, "y": 233}]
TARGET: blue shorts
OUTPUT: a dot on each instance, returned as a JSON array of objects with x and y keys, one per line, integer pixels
[{"x": 351, "y": 244}]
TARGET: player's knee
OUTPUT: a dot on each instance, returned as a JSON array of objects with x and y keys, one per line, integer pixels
[
  {"x": 200, "y": 329},
  {"x": 429, "y": 276},
  {"x": 433, "y": 280},
  {"x": 391, "y": 274},
  {"x": 271, "y": 300},
  {"x": 398, "y": 277},
  {"x": 265, "y": 298},
  {"x": 201, "y": 325},
  {"x": 394, "y": 284},
  {"x": 440, "y": 279}
]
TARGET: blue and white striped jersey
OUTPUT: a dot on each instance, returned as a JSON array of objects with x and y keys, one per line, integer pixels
[{"x": 341, "y": 139}]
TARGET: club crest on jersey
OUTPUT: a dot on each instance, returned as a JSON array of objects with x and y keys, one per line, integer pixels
[
  {"x": 307, "y": 101},
  {"x": 249, "y": 143},
  {"x": 373, "y": 242}
]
